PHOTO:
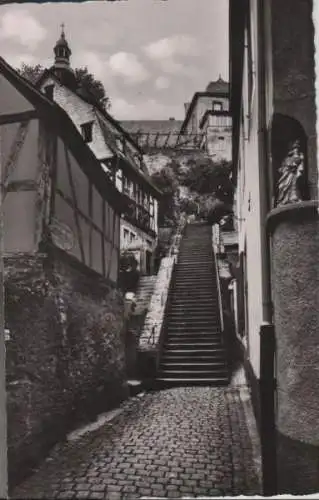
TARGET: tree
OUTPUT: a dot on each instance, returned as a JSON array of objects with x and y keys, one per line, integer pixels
[
  {"x": 207, "y": 177},
  {"x": 166, "y": 181},
  {"x": 31, "y": 73},
  {"x": 83, "y": 77}
]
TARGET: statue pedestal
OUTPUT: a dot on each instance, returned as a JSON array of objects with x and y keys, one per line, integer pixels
[{"x": 294, "y": 231}]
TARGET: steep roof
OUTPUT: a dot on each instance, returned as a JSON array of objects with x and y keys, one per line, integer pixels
[
  {"x": 64, "y": 127},
  {"x": 218, "y": 87},
  {"x": 88, "y": 97},
  {"x": 108, "y": 135},
  {"x": 152, "y": 126}
]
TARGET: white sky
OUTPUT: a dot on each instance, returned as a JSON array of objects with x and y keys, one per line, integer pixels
[{"x": 151, "y": 55}]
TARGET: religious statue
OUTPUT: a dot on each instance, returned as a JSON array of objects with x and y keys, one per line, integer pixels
[{"x": 292, "y": 175}]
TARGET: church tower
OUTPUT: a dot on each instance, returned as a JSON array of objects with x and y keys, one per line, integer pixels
[{"x": 62, "y": 68}]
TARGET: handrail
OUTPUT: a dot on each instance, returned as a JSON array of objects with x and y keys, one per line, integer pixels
[{"x": 220, "y": 303}]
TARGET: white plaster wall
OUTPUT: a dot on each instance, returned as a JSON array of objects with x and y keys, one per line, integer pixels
[{"x": 248, "y": 203}]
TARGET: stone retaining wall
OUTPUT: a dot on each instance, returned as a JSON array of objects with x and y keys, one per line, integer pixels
[
  {"x": 150, "y": 336},
  {"x": 65, "y": 352}
]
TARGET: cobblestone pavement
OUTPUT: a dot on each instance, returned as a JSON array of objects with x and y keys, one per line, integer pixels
[{"x": 180, "y": 442}]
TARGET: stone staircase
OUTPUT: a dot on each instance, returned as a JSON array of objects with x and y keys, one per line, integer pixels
[
  {"x": 193, "y": 352},
  {"x": 144, "y": 293}
]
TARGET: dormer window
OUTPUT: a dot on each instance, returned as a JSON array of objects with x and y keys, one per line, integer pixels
[
  {"x": 120, "y": 143},
  {"x": 217, "y": 106},
  {"x": 86, "y": 129},
  {"x": 48, "y": 90}
]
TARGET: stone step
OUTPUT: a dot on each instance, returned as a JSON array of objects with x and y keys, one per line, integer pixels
[
  {"x": 170, "y": 357},
  {"x": 179, "y": 345},
  {"x": 193, "y": 330},
  {"x": 193, "y": 327},
  {"x": 184, "y": 335},
  {"x": 195, "y": 313},
  {"x": 164, "y": 381},
  {"x": 217, "y": 367},
  {"x": 195, "y": 351},
  {"x": 184, "y": 321},
  {"x": 187, "y": 373}
]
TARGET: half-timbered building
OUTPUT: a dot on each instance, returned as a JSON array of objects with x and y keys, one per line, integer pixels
[
  {"x": 119, "y": 155},
  {"x": 53, "y": 185},
  {"x": 61, "y": 239}
]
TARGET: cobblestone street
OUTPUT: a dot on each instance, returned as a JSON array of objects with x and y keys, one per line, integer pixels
[{"x": 178, "y": 442}]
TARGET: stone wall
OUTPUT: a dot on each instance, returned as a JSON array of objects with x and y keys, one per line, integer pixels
[
  {"x": 295, "y": 282},
  {"x": 65, "y": 352},
  {"x": 294, "y": 72}
]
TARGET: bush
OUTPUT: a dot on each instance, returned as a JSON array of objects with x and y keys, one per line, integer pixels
[
  {"x": 129, "y": 274},
  {"x": 207, "y": 177},
  {"x": 166, "y": 181}
]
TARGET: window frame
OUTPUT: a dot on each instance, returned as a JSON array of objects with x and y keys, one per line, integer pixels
[{"x": 87, "y": 131}]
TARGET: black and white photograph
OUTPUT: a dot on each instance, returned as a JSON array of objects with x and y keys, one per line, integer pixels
[{"x": 159, "y": 249}]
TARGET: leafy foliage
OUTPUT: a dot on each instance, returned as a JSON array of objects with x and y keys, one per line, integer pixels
[
  {"x": 129, "y": 274},
  {"x": 85, "y": 79},
  {"x": 31, "y": 73},
  {"x": 166, "y": 181},
  {"x": 207, "y": 177},
  {"x": 215, "y": 210}
]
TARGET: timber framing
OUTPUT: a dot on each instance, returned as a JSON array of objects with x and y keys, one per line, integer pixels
[
  {"x": 90, "y": 99},
  {"x": 58, "y": 122},
  {"x": 23, "y": 116}
]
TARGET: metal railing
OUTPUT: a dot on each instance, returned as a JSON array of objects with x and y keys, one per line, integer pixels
[{"x": 220, "y": 302}]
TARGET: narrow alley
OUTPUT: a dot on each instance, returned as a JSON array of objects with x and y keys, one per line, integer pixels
[{"x": 191, "y": 441}]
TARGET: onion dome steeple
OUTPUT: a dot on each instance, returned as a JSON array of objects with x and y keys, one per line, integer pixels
[{"x": 61, "y": 66}]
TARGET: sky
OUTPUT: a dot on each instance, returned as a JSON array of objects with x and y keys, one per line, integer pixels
[{"x": 151, "y": 55}]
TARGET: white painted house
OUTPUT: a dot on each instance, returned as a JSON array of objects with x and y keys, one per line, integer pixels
[{"x": 119, "y": 154}]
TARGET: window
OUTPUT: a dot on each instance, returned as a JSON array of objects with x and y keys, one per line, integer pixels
[
  {"x": 86, "y": 130},
  {"x": 48, "y": 90},
  {"x": 221, "y": 143},
  {"x": 217, "y": 106},
  {"x": 132, "y": 237},
  {"x": 120, "y": 143},
  {"x": 126, "y": 235}
]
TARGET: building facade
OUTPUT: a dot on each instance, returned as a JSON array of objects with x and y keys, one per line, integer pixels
[
  {"x": 63, "y": 312},
  {"x": 276, "y": 170},
  {"x": 208, "y": 115},
  {"x": 119, "y": 155}
]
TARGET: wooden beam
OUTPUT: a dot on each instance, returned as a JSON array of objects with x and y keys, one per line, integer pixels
[
  {"x": 23, "y": 185},
  {"x": 75, "y": 205},
  {"x": 87, "y": 219},
  {"x": 15, "y": 150},
  {"x": 6, "y": 119},
  {"x": 103, "y": 236},
  {"x": 90, "y": 202}
]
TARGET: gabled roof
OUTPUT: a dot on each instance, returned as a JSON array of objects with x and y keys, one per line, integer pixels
[
  {"x": 88, "y": 97},
  {"x": 108, "y": 135},
  {"x": 63, "y": 126},
  {"x": 218, "y": 87}
]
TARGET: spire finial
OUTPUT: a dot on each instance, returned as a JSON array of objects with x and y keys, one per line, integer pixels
[{"x": 62, "y": 30}]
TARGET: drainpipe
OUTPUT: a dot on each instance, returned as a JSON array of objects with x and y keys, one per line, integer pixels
[
  {"x": 3, "y": 406},
  {"x": 267, "y": 331}
]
